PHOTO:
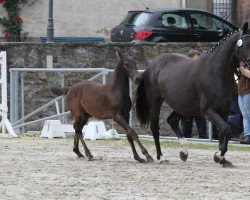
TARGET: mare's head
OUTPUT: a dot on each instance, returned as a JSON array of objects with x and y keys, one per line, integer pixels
[
  {"x": 128, "y": 65},
  {"x": 243, "y": 45}
]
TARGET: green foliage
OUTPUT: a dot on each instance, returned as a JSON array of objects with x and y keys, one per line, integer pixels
[{"x": 13, "y": 23}]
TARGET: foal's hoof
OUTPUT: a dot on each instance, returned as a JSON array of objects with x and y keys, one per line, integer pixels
[
  {"x": 90, "y": 158},
  {"x": 150, "y": 159},
  {"x": 164, "y": 161},
  {"x": 140, "y": 160},
  {"x": 183, "y": 156}
]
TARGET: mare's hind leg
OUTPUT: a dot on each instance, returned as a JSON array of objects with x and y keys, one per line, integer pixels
[
  {"x": 173, "y": 121},
  {"x": 132, "y": 135},
  {"x": 155, "y": 108},
  {"x": 78, "y": 126}
]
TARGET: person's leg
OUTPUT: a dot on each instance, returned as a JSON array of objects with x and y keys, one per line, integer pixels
[
  {"x": 215, "y": 132},
  {"x": 187, "y": 124},
  {"x": 244, "y": 104},
  {"x": 201, "y": 124},
  {"x": 236, "y": 125}
]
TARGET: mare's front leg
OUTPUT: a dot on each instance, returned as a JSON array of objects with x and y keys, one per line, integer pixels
[
  {"x": 132, "y": 135},
  {"x": 224, "y": 135},
  {"x": 173, "y": 121}
]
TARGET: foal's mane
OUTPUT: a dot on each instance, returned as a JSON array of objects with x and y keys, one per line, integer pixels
[{"x": 221, "y": 42}]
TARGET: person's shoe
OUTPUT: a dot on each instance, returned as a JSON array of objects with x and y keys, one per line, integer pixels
[{"x": 246, "y": 140}]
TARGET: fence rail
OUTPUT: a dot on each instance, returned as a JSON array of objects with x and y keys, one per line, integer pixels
[{"x": 14, "y": 95}]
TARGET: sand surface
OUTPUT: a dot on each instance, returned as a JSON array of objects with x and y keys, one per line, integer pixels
[{"x": 35, "y": 168}]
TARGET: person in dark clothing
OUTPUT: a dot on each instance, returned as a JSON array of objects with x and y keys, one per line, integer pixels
[{"x": 187, "y": 121}]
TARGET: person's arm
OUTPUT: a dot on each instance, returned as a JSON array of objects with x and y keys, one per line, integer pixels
[{"x": 245, "y": 71}]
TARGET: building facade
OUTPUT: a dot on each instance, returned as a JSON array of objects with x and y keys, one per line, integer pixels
[{"x": 95, "y": 18}]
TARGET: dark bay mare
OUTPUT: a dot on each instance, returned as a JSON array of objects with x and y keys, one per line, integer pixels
[
  {"x": 205, "y": 86},
  {"x": 104, "y": 101}
]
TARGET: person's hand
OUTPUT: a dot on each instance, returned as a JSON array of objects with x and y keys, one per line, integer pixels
[{"x": 242, "y": 64}]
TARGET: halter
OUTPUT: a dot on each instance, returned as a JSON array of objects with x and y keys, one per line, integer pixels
[{"x": 240, "y": 42}]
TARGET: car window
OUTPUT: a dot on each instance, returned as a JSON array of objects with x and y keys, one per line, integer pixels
[
  {"x": 136, "y": 18},
  {"x": 175, "y": 20},
  {"x": 208, "y": 22}
]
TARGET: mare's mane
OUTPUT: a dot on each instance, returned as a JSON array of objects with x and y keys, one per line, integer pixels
[{"x": 221, "y": 42}]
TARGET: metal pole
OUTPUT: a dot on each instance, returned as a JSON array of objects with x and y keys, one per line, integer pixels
[
  {"x": 50, "y": 27},
  {"x": 22, "y": 99},
  {"x": 62, "y": 85}
]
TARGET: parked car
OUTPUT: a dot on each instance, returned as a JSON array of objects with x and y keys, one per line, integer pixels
[{"x": 171, "y": 25}]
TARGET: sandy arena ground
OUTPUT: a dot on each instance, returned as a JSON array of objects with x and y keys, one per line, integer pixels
[{"x": 35, "y": 168}]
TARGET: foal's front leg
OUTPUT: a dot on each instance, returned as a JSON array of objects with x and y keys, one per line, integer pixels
[{"x": 132, "y": 135}]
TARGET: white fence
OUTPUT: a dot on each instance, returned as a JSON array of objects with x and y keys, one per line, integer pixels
[
  {"x": 17, "y": 74},
  {"x": 5, "y": 123}
]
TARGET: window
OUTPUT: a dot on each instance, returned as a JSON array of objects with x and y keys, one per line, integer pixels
[
  {"x": 208, "y": 22},
  {"x": 136, "y": 18},
  {"x": 176, "y": 20}
]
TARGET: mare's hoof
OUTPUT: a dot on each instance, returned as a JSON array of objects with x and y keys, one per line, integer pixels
[
  {"x": 226, "y": 164},
  {"x": 159, "y": 156},
  {"x": 216, "y": 158},
  {"x": 183, "y": 156}
]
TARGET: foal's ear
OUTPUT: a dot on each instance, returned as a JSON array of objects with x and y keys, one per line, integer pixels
[
  {"x": 118, "y": 52},
  {"x": 245, "y": 27}
]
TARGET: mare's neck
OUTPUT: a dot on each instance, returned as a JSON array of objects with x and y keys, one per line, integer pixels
[
  {"x": 225, "y": 57},
  {"x": 120, "y": 79}
]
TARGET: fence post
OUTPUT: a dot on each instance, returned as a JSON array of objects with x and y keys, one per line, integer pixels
[{"x": 5, "y": 123}]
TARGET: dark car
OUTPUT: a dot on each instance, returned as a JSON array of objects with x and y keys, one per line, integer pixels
[{"x": 171, "y": 25}]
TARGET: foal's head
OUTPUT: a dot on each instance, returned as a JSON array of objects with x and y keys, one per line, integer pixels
[
  {"x": 128, "y": 65},
  {"x": 243, "y": 45}
]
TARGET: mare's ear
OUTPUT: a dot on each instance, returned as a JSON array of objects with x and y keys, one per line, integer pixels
[
  {"x": 118, "y": 52},
  {"x": 245, "y": 27}
]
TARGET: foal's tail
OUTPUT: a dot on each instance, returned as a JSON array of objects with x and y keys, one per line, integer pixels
[
  {"x": 59, "y": 91},
  {"x": 142, "y": 108}
]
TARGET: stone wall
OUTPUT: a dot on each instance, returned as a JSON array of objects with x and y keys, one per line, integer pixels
[{"x": 81, "y": 55}]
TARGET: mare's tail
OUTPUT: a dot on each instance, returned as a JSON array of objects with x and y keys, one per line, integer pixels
[
  {"x": 59, "y": 91},
  {"x": 142, "y": 108}
]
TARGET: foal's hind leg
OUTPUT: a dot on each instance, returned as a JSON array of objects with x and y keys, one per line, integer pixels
[
  {"x": 173, "y": 121},
  {"x": 132, "y": 135},
  {"x": 131, "y": 142},
  {"x": 78, "y": 126}
]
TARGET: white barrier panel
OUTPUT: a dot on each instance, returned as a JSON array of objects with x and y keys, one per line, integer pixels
[
  {"x": 5, "y": 123},
  {"x": 92, "y": 131}
]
